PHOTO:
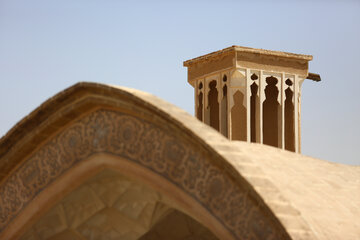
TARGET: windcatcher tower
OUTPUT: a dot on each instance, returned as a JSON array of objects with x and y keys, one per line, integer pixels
[{"x": 251, "y": 94}]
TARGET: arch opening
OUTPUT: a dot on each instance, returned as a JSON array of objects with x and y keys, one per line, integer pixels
[
  {"x": 213, "y": 105},
  {"x": 254, "y": 101},
  {"x": 289, "y": 118},
  {"x": 224, "y": 112},
  {"x": 238, "y": 117},
  {"x": 200, "y": 107},
  {"x": 110, "y": 205},
  {"x": 271, "y": 112}
]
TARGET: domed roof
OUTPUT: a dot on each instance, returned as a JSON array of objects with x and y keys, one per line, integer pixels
[{"x": 299, "y": 196}]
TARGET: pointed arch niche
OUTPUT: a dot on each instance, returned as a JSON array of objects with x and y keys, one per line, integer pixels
[
  {"x": 213, "y": 104},
  {"x": 271, "y": 113},
  {"x": 289, "y": 113},
  {"x": 238, "y": 106},
  {"x": 224, "y": 106},
  {"x": 200, "y": 101},
  {"x": 254, "y": 107}
]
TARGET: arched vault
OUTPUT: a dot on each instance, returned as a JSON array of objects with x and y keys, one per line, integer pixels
[{"x": 92, "y": 134}]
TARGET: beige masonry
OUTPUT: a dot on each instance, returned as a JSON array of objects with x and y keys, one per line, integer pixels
[
  {"x": 89, "y": 130},
  {"x": 251, "y": 94}
]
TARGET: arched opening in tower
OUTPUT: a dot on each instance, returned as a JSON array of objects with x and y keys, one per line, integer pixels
[
  {"x": 200, "y": 104},
  {"x": 271, "y": 110},
  {"x": 224, "y": 110},
  {"x": 213, "y": 105},
  {"x": 238, "y": 117},
  {"x": 254, "y": 100},
  {"x": 289, "y": 118}
]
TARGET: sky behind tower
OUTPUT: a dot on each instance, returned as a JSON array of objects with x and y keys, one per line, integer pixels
[{"x": 47, "y": 46}]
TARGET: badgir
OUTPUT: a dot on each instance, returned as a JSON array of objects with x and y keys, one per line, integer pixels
[{"x": 106, "y": 162}]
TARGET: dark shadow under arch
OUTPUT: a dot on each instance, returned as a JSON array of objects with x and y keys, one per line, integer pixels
[
  {"x": 254, "y": 103},
  {"x": 271, "y": 110},
  {"x": 224, "y": 112},
  {"x": 200, "y": 107},
  {"x": 289, "y": 121},
  {"x": 213, "y": 105}
]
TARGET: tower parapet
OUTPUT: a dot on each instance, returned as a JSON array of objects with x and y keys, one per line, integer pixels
[{"x": 251, "y": 94}]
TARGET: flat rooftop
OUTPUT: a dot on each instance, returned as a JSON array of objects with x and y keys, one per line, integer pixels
[{"x": 249, "y": 50}]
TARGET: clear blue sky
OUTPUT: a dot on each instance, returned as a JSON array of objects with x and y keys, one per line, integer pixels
[{"x": 47, "y": 46}]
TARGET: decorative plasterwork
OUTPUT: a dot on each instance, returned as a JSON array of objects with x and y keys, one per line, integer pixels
[{"x": 173, "y": 157}]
